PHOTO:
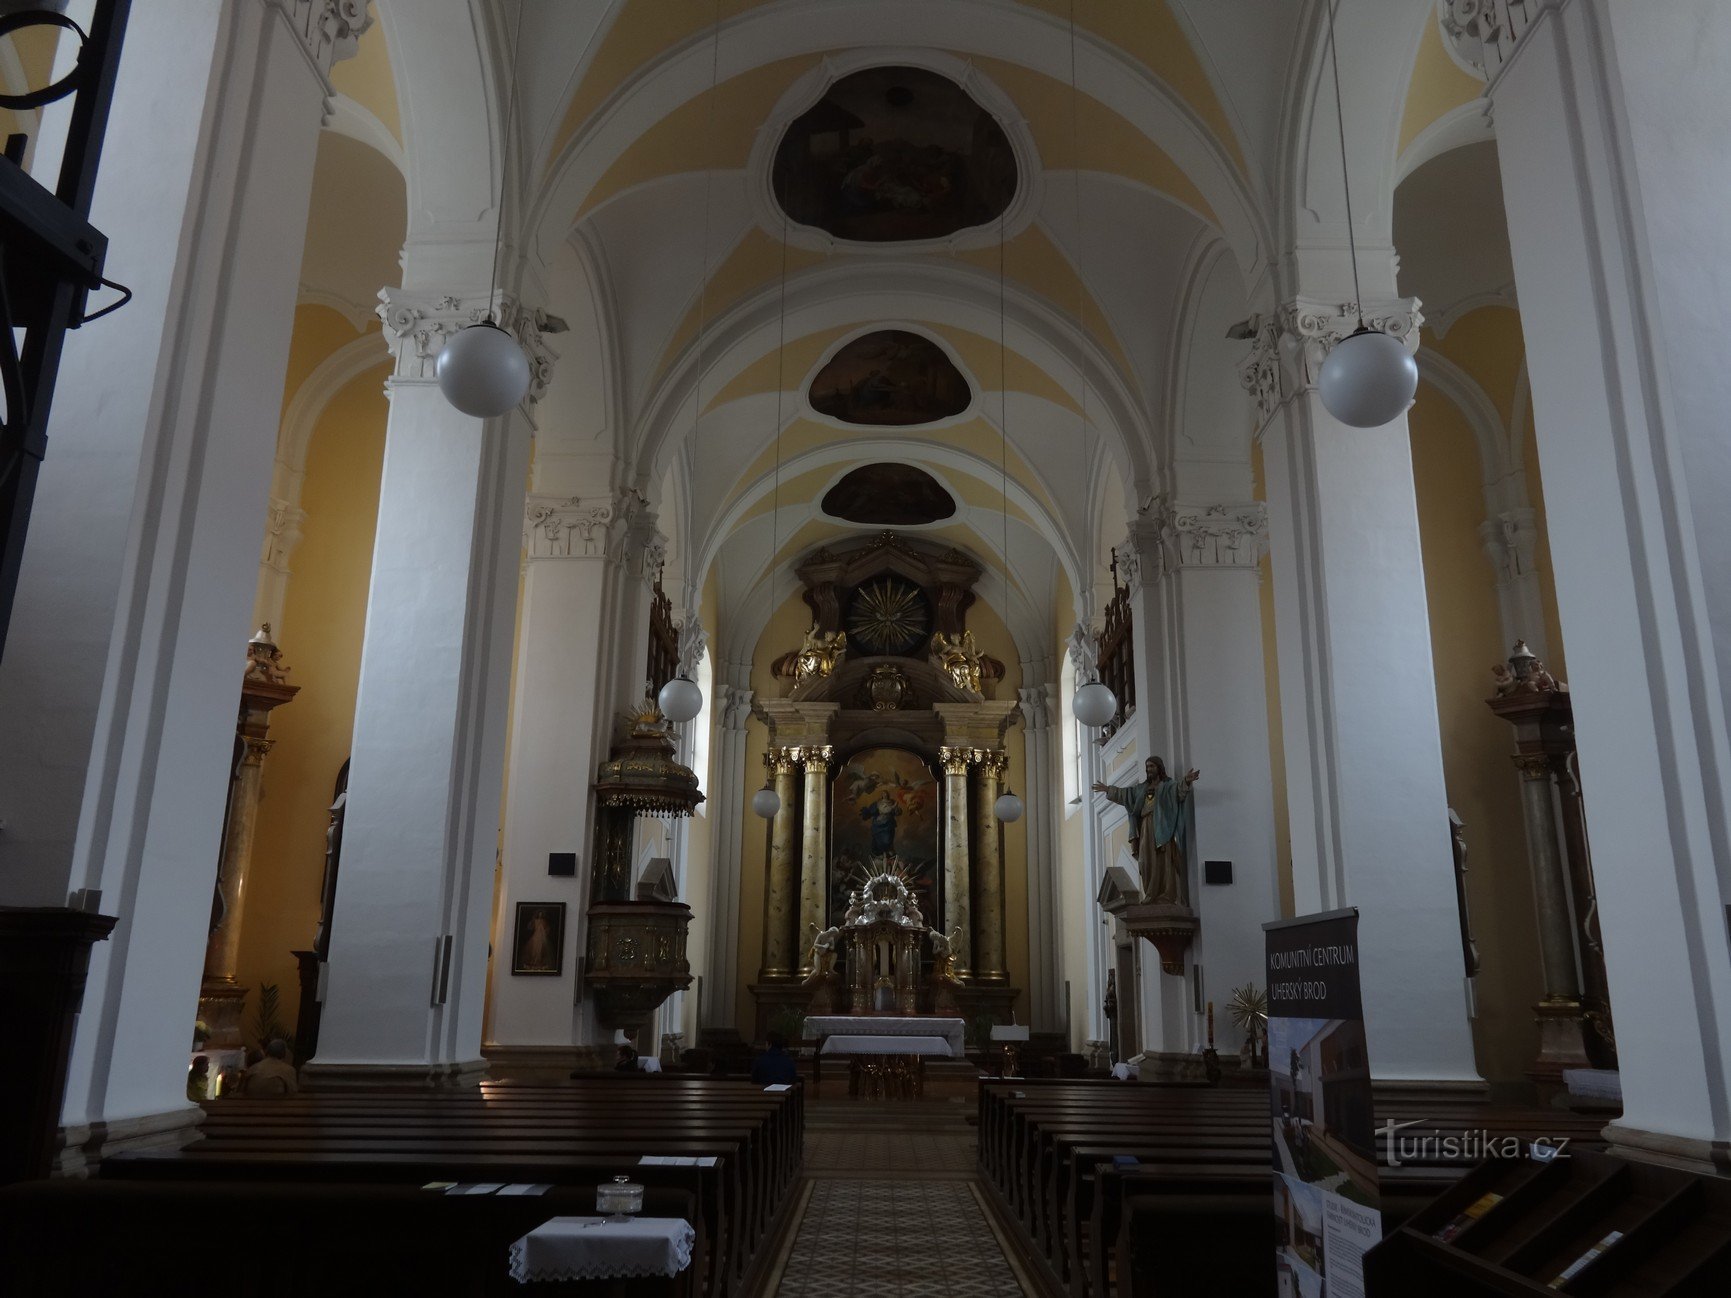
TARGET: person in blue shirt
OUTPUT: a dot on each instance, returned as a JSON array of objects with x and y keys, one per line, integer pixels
[{"x": 775, "y": 1067}]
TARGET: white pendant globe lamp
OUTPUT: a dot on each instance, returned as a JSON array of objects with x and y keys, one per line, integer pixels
[
  {"x": 482, "y": 369},
  {"x": 1094, "y": 704},
  {"x": 680, "y": 699},
  {"x": 766, "y": 802},
  {"x": 1008, "y": 807},
  {"x": 1369, "y": 377}
]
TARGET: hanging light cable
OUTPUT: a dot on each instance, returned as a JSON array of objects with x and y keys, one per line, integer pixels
[
  {"x": 1008, "y": 807},
  {"x": 766, "y": 802},
  {"x": 681, "y": 698},
  {"x": 1369, "y": 377},
  {"x": 482, "y": 369},
  {"x": 1093, "y": 703}
]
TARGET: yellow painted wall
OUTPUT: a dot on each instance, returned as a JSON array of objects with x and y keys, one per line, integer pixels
[
  {"x": 1438, "y": 87},
  {"x": 323, "y": 619},
  {"x": 1483, "y": 787}
]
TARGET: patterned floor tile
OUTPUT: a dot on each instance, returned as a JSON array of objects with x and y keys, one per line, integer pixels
[{"x": 896, "y": 1238}]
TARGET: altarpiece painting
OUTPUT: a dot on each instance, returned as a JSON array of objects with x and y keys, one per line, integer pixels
[{"x": 884, "y": 814}]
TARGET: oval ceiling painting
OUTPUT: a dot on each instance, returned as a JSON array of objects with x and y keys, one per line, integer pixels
[
  {"x": 894, "y": 154},
  {"x": 889, "y": 495},
  {"x": 890, "y": 377}
]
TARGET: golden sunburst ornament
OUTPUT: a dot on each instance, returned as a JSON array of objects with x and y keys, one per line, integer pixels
[{"x": 888, "y": 616}]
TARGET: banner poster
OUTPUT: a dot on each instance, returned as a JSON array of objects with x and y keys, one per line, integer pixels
[{"x": 1326, "y": 1200}]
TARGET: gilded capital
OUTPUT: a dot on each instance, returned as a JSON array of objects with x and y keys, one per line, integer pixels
[
  {"x": 1532, "y": 766},
  {"x": 955, "y": 760},
  {"x": 781, "y": 761},
  {"x": 816, "y": 758}
]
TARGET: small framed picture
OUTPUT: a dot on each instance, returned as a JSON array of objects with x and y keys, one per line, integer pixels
[{"x": 539, "y": 947}]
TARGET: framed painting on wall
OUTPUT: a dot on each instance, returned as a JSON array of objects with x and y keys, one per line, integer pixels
[
  {"x": 538, "y": 946},
  {"x": 884, "y": 816}
]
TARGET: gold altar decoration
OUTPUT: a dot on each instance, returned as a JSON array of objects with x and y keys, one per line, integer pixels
[
  {"x": 887, "y": 687},
  {"x": 958, "y": 657},
  {"x": 819, "y": 653},
  {"x": 642, "y": 776}
]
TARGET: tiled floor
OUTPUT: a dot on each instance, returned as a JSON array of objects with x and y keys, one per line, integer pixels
[{"x": 893, "y": 1210}]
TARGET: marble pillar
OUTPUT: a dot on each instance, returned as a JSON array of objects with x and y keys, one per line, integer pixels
[
  {"x": 1559, "y": 1016},
  {"x": 727, "y": 810},
  {"x": 988, "y": 881},
  {"x": 264, "y": 688},
  {"x": 813, "y": 851},
  {"x": 781, "y": 906},
  {"x": 958, "y": 885}
]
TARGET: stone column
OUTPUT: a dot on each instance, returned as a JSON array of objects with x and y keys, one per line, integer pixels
[
  {"x": 1561, "y": 1043},
  {"x": 727, "y": 817},
  {"x": 589, "y": 555},
  {"x": 408, "y": 959},
  {"x": 814, "y": 851},
  {"x": 222, "y": 1001},
  {"x": 1364, "y": 770},
  {"x": 1191, "y": 570},
  {"x": 781, "y": 901},
  {"x": 988, "y": 899},
  {"x": 117, "y": 688},
  {"x": 1616, "y": 174},
  {"x": 958, "y": 899},
  {"x": 1042, "y": 793}
]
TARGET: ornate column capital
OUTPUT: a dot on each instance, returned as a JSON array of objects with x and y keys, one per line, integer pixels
[
  {"x": 735, "y": 707},
  {"x": 620, "y": 527},
  {"x": 1533, "y": 766},
  {"x": 1287, "y": 349},
  {"x": 781, "y": 761},
  {"x": 1225, "y": 536},
  {"x": 954, "y": 760},
  {"x": 1483, "y": 33},
  {"x": 814, "y": 757},
  {"x": 1036, "y": 707},
  {"x": 418, "y": 323},
  {"x": 330, "y": 30},
  {"x": 1510, "y": 539}
]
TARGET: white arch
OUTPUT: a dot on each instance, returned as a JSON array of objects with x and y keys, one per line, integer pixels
[
  {"x": 827, "y": 296},
  {"x": 1018, "y": 35}
]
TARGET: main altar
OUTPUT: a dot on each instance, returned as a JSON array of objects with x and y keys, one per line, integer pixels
[{"x": 887, "y": 751}]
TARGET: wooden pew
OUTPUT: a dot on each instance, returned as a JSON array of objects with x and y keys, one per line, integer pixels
[
  {"x": 1047, "y": 1152},
  {"x": 572, "y": 1134},
  {"x": 123, "y": 1238}
]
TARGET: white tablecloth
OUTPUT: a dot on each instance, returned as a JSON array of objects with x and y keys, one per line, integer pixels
[
  {"x": 887, "y": 1046},
  {"x": 593, "y": 1248},
  {"x": 884, "y": 1025}
]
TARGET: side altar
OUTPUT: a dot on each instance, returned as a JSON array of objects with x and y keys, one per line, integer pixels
[{"x": 886, "y": 747}]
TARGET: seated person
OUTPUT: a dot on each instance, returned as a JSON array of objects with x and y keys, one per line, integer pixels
[
  {"x": 198, "y": 1078},
  {"x": 272, "y": 1075},
  {"x": 775, "y": 1067},
  {"x": 626, "y": 1058}
]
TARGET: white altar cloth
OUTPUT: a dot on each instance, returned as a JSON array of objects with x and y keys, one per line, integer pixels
[
  {"x": 862, "y": 1045},
  {"x": 593, "y": 1248},
  {"x": 885, "y": 1025}
]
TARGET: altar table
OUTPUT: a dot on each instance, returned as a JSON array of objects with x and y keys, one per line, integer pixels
[{"x": 832, "y": 1026}]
